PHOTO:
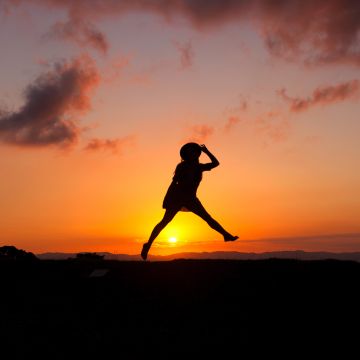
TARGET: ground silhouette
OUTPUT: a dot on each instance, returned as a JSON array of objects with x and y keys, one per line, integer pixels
[{"x": 194, "y": 308}]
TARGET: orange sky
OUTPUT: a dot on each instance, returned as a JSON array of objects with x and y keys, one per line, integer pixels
[{"x": 286, "y": 133}]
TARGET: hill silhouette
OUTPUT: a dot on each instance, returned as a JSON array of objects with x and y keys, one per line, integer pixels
[
  {"x": 170, "y": 309},
  {"x": 218, "y": 255}
]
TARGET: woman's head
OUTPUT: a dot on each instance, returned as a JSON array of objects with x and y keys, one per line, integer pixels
[{"x": 190, "y": 151}]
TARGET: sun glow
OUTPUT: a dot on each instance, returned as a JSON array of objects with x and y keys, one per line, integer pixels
[{"x": 172, "y": 240}]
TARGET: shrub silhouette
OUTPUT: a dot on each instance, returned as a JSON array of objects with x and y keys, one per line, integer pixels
[
  {"x": 89, "y": 256},
  {"x": 12, "y": 253}
]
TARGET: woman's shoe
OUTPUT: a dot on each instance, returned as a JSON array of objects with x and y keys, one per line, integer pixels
[{"x": 230, "y": 238}]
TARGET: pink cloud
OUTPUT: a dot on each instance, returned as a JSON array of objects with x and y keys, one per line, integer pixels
[
  {"x": 115, "y": 68},
  {"x": 81, "y": 32},
  {"x": 200, "y": 133},
  {"x": 271, "y": 126},
  {"x": 231, "y": 122},
  {"x": 186, "y": 52},
  {"x": 323, "y": 95},
  {"x": 116, "y": 146}
]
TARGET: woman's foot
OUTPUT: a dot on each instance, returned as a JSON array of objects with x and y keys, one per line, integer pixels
[
  {"x": 145, "y": 250},
  {"x": 230, "y": 238}
]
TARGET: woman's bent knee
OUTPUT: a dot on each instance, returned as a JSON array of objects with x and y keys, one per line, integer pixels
[{"x": 163, "y": 223}]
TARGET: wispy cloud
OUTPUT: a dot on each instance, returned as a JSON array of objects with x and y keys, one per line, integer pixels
[
  {"x": 52, "y": 103},
  {"x": 199, "y": 133},
  {"x": 115, "y": 68},
  {"x": 116, "y": 146},
  {"x": 82, "y": 33},
  {"x": 270, "y": 126},
  {"x": 236, "y": 115},
  {"x": 231, "y": 122},
  {"x": 273, "y": 125},
  {"x": 323, "y": 96},
  {"x": 186, "y": 52}
]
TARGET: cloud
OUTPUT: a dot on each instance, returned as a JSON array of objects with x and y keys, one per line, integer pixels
[
  {"x": 115, "y": 68},
  {"x": 231, "y": 122},
  {"x": 233, "y": 118},
  {"x": 52, "y": 102},
  {"x": 323, "y": 95},
  {"x": 83, "y": 33},
  {"x": 116, "y": 146},
  {"x": 200, "y": 133},
  {"x": 186, "y": 54},
  {"x": 273, "y": 125},
  {"x": 314, "y": 32}
]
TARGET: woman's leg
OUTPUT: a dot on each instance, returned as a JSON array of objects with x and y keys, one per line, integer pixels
[
  {"x": 168, "y": 216},
  {"x": 198, "y": 209}
]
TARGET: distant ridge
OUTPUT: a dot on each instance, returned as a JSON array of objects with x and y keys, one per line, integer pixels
[{"x": 227, "y": 255}]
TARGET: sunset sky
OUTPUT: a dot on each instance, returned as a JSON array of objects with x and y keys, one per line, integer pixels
[{"x": 97, "y": 97}]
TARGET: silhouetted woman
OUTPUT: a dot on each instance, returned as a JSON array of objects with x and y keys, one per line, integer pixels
[{"x": 181, "y": 194}]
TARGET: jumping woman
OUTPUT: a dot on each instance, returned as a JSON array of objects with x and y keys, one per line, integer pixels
[{"x": 181, "y": 194}]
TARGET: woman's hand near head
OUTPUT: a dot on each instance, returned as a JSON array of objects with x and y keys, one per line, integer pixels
[{"x": 204, "y": 148}]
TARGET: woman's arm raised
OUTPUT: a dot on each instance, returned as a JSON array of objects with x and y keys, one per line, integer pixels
[{"x": 214, "y": 160}]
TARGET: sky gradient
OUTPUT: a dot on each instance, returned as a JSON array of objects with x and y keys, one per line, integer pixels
[{"x": 97, "y": 97}]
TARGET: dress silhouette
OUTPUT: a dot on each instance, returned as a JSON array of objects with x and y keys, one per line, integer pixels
[{"x": 181, "y": 194}]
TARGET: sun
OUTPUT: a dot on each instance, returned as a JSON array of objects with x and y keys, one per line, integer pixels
[{"x": 172, "y": 240}]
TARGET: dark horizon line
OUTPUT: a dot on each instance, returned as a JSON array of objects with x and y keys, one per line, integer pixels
[
  {"x": 215, "y": 255},
  {"x": 208, "y": 252}
]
